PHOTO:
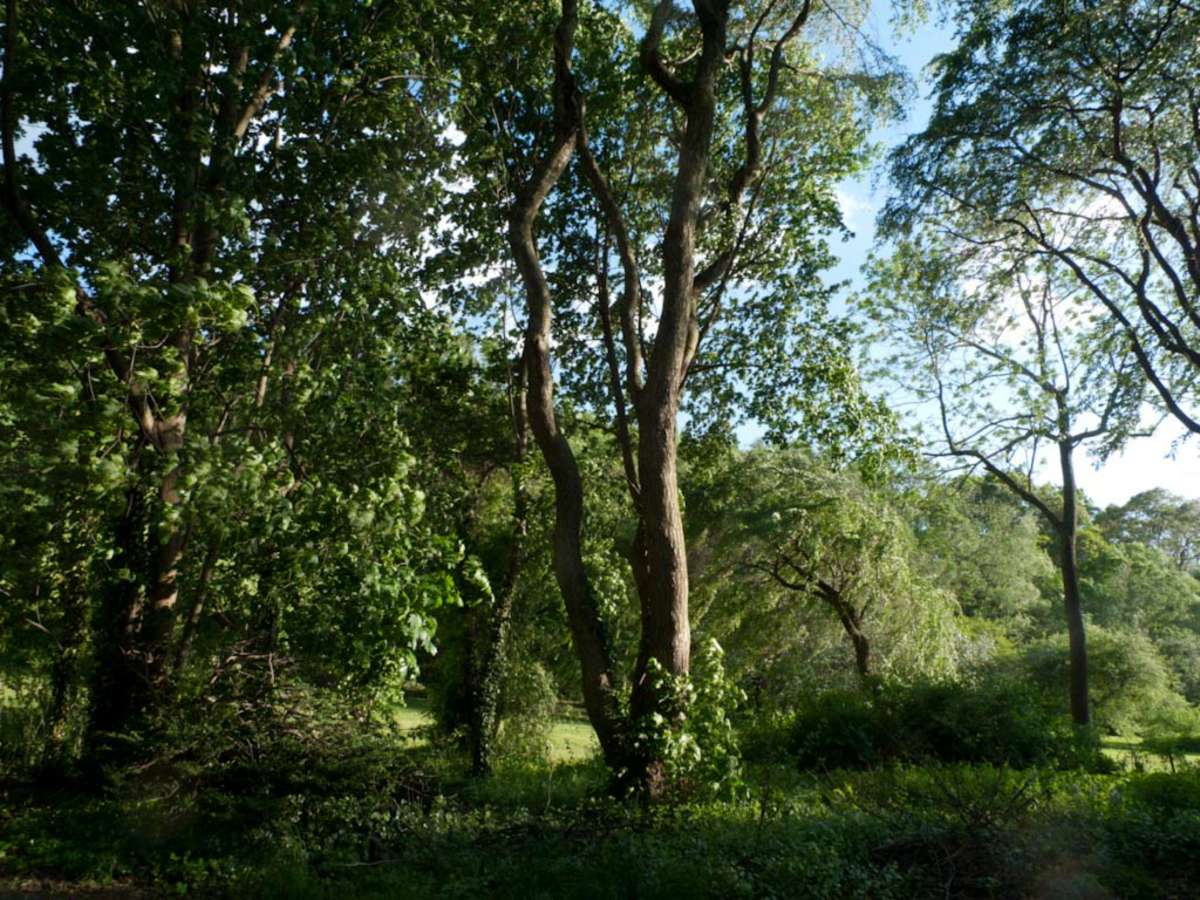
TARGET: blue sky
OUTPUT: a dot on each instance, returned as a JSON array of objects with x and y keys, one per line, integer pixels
[{"x": 1146, "y": 463}]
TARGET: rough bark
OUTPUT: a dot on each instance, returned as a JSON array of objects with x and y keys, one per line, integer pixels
[
  {"x": 658, "y": 555},
  {"x": 666, "y": 631}
]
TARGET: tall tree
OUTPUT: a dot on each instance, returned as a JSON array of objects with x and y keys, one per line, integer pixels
[
  {"x": 1001, "y": 355},
  {"x": 650, "y": 349},
  {"x": 1157, "y": 518},
  {"x": 209, "y": 245},
  {"x": 1074, "y": 129}
]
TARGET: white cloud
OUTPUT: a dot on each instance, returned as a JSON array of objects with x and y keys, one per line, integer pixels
[{"x": 858, "y": 210}]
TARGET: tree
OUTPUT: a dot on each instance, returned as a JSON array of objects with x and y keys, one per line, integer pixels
[
  {"x": 781, "y": 541},
  {"x": 649, "y": 350},
  {"x": 1160, "y": 519},
  {"x": 465, "y": 409},
  {"x": 208, "y": 300},
  {"x": 1000, "y": 356},
  {"x": 981, "y": 543},
  {"x": 1073, "y": 130},
  {"x": 1131, "y": 683}
]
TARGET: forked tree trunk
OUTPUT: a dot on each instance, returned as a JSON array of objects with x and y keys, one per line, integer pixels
[{"x": 659, "y": 558}]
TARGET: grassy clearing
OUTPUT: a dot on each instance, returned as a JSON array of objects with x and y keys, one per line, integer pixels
[
  {"x": 571, "y": 737},
  {"x": 1129, "y": 753}
]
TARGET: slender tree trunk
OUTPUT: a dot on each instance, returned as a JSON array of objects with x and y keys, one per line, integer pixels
[
  {"x": 852, "y": 623},
  {"x": 485, "y": 713},
  {"x": 158, "y": 623},
  {"x": 196, "y": 610},
  {"x": 861, "y": 644},
  {"x": 64, "y": 674},
  {"x": 1077, "y": 639},
  {"x": 587, "y": 628}
]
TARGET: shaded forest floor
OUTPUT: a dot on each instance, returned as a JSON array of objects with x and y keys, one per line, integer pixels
[{"x": 377, "y": 818}]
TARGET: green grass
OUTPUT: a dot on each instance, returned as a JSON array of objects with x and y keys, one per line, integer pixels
[
  {"x": 412, "y": 715},
  {"x": 1129, "y": 752},
  {"x": 360, "y": 827},
  {"x": 572, "y": 740},
  {"x": 571, "y": 737}
]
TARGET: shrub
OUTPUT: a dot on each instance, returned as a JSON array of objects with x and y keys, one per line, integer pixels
[
  {"x": 528, "y": 704},
  {"x": 525, "y": 713},
  {"x": 987, "y": 720},
  {"x": 1153, "y": 826},
  {"x": 841, "y": 729},
  {"x": 1128, "y": 680},
  {"x": 694, "y": 735},
  {"x": 984, "y": 720}
]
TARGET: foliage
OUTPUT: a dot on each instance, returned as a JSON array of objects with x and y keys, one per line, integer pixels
[
  {"x": 1172, "y": 732},
  {"x": 357, "y": 819},
  {"x": 1062, "y": 131},
  {"x": 982, "y": 720},
  {"x": 976, "y": 542},
  {"x": 1130, "y": 681},
  {"x": 207, "y": 318},
  {"x": 811, "y": 559},
  {"x": 269, "y": 408},
  {"x": 694, "y": 734},
  {"x": 1159, "y": 519}
]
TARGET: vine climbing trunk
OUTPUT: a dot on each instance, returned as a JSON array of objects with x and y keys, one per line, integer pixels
[{"x": 485, "y": 718}]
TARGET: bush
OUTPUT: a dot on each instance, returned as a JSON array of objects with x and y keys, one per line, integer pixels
[
  {"x": 995, "y": 721},
  {"x": 1128, "y": 680},
  {"x": 694, "y": 734},
  {"x": 1153, "y": 826},
  {"x": 528, "y": 704},
  {"x": 841, "y": 730}
]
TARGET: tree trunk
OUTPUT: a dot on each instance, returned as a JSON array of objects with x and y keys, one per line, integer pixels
[
  {"x": 666, "y": 634},
  {"x": 158, "y": 623},
  {"x": 196, "y": 611},
  {"x": 1078, "y": 665},
  {"x": 587, "y": 628},
  {"x": 852, "y": 623},
  {"x": 862, "y": 653},
  {"x": 485, "y": 710},
  {"x": 666, "y": 631},
  {"x": 118, "y": 683},
  {"x": 64, "y": 674}
]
